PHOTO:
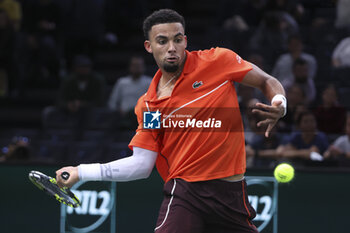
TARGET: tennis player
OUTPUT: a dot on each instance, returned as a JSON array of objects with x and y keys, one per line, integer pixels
[{"x": 203, "y": 169}]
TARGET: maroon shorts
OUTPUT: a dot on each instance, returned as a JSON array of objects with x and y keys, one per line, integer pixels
[{"x": 214, "y": 206}]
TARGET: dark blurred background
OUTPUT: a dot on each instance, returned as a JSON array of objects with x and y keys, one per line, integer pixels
[{"x": 69, "y": 68}]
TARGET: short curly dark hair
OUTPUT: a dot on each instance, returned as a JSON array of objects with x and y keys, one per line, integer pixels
[{"x": 159, "y": 17}]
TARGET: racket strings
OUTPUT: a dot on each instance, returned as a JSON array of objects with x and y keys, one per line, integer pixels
[{"x": 49, "y": 185}]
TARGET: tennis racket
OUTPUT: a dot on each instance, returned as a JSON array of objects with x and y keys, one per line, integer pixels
[{"x": 49, "y": 185}]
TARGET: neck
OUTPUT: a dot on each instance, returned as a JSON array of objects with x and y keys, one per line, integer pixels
[
  {"x": 295, "y": 54},
  {"x": 168, "y": 76},
  {"x": 167, "y": 80},
  {"x": 135, "y": 77},
  {"x": 328, "y": 105}
]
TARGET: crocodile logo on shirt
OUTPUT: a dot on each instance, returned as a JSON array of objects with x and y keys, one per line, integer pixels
[{"x": 197, "y": 84}]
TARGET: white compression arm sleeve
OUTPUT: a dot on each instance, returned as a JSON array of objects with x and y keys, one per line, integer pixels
[{"x": 137, "y": 166}]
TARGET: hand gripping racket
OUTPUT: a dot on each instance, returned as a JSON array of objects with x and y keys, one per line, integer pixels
[{"x": 49, "y": 185}]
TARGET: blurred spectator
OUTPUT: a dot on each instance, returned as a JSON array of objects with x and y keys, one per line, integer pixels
[
  {"x": 283, "y": 69},
  {"x": 249, "y": 119},
  {"x": 7, "y": 51},
  {"x": 234, "y": 22},
  {"x": 80, "y": 91},
  {"x": 83, "y": 23},
  {"x": 301, "y": 77},
  {"x": 257, "y": 59},
  {"x": 306, "y": 144},
  {"x": 271, "y": 37},
  {"x": 250, "y": 12},
  {"x": 127, "y": 90},
  {"x": 264, "y": 148},
  {"x": 42, "y": 19},
  {"x": 341, "y": 146},
  {"x": 341, "y": 54},
  {"x": 250, "y": 156},
  {"x": 319, "y": 33},
  {"x": 233, "y": 33},
  {"x": 294, "y": 8},
  {"x": 246, "y": 96},
  {"x": 261, "y": 151},
  {"x": 296, "y": 104},
  {"x": 82, "y": 88},
  {"x": 40, "y": 54},
  {"x": 38, "y": 65},
  {"x": 17, "y": 150},
  {"x": 13, "y": 10},
  {"x": 342, "y": 14},
  {"x": 330, "y": 115},
  {"x": 250, "y": 128},
  {"x": 42, "y": 22},
  {"x": 128, "y": 15}
]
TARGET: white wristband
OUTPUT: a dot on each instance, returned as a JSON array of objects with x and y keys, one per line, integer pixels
[
  {"x": 283, "y": 99},
  {"x": 89, "y": 172}
]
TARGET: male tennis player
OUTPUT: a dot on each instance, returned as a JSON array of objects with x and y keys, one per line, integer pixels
[{"x": 202, "y": 165}]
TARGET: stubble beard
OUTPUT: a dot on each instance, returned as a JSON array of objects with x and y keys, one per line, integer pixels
[{"x": 171, "y": 68}]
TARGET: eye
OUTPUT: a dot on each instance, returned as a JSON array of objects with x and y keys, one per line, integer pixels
[
  {"x": 178, "y": 40},
  {"x": 161, "y": 41}
]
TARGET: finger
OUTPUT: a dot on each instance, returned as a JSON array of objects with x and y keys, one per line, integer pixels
[
  {"x": 276, "y": 103},
  {"x": 267, "y": 134},
  {"x": 271, "y": 115},
  {"x": 264, "y": 122},
  {"x": 277, "y": 111},
  {"x": 60, "y": 183},
  {"x": 268, "y": 130},
  {"x": 59, "y": 180},
  {"x": 274, "y": 110},
  {"x": 268, "y": 107}
]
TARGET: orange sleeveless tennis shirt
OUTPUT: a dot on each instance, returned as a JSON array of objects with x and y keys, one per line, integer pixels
[{"x": 201, "y": 135}]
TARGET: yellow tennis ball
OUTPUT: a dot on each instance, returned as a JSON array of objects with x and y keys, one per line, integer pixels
[{"x": 284, "y": 173}]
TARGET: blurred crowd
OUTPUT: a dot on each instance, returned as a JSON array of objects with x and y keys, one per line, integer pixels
[{"x": 53, "y": 44}]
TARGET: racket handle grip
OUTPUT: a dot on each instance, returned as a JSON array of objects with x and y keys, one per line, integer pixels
[{"x": 65, "y": 175}]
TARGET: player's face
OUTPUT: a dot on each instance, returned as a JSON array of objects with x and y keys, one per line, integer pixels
[{"x": 167, "y": 42}]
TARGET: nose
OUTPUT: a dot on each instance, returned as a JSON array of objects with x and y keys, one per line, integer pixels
[{"x": 171, "y": 47}]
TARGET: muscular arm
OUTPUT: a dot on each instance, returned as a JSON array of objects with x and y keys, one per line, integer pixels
[
  {"x": 268, "y": 85},
  {"x": 273, "y": 90}
]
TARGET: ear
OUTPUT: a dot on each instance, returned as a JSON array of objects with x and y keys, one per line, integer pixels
[
  {"x": 147, "y": 45},
  {"x": 185, "y": 37}
]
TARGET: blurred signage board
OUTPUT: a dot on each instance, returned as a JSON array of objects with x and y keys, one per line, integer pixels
[
  {"x": 97, "y": 212},
  {"x": 263, "y": 197}
]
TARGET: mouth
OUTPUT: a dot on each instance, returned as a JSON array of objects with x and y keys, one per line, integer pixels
[{"x": 172, "y": 59}]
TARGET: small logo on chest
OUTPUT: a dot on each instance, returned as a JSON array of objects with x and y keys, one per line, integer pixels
[{"x": 197, "y": 84}]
